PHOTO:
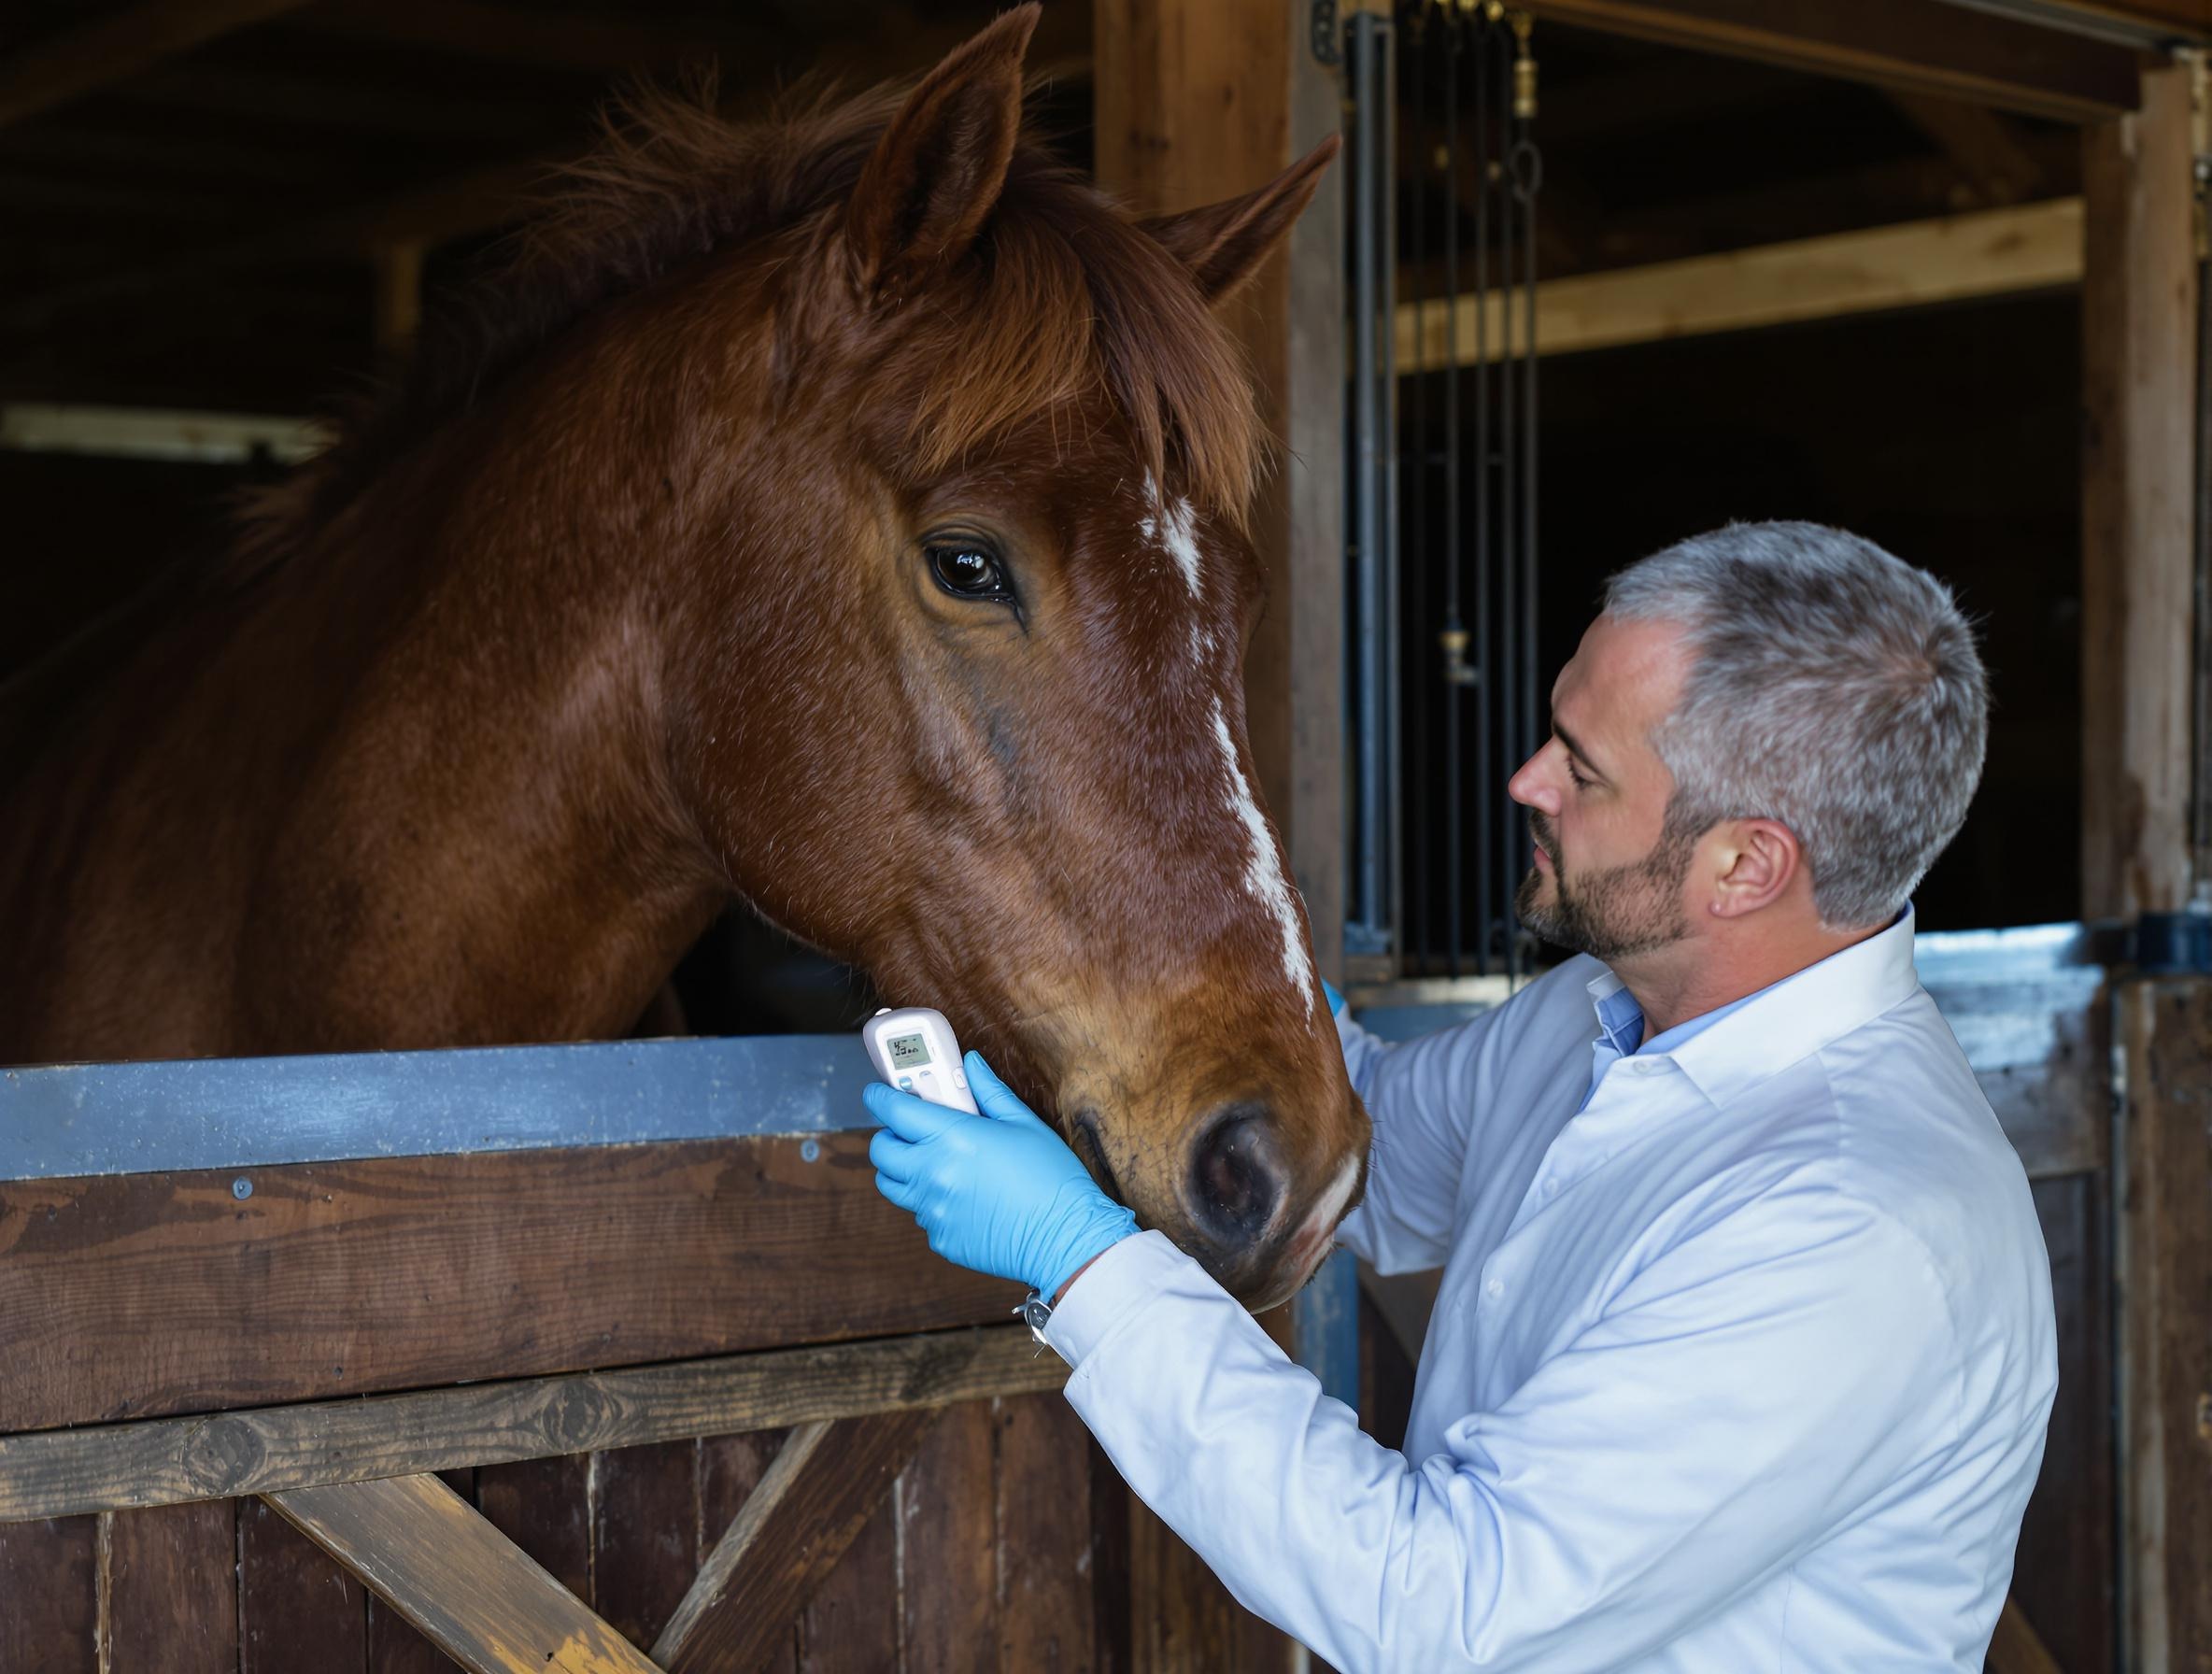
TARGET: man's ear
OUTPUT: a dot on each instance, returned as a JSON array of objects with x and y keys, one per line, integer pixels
[
  {"x": 936, "y": 174},
  {"x": 1224, "y": 244},
  {"x": 1760, "y": 859}
]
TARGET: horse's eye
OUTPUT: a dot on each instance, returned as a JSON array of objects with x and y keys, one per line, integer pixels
[{"x": 969, "y": 572}]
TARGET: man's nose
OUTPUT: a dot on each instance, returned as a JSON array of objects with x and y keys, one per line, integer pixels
[{"x": 1532, "y": 787}]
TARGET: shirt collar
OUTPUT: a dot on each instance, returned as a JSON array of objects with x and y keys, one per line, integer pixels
[{"x": 1778, "y": 1026}]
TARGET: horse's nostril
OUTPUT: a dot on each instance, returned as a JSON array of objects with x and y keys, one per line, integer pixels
[{"x": 1236, "y": 1177}]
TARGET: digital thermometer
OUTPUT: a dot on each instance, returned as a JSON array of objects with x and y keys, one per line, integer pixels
[{"x": 913, "y": 1049}]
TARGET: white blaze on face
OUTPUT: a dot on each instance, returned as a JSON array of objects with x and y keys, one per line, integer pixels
[
  {"x": 1263, "y": 868},
  {"x": 1175, "y": 528}
]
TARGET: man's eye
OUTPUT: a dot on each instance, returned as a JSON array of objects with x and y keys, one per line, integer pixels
[
  {"x": 967, "y": 571},
  {"x": 1580, "y": 783}
]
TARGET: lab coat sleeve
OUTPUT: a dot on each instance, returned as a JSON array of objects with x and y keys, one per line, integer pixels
[
  {"x": 1421, "y": 1098},
  {"x": 1735, "y": 1403}
]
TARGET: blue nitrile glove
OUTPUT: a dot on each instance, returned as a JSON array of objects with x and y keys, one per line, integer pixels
[
  {"x": 1336, "y": 1001},
  {"x": 1000, "y": 1193}
]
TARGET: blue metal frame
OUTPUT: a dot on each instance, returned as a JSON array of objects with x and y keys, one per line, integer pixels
[{"x": 75, "y": 1119}]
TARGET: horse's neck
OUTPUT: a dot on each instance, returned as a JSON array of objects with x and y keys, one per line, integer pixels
[{"x": 399, "y": 802}]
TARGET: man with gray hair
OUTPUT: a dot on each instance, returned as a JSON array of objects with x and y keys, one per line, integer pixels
[{"x": 1744, "y": 1347}]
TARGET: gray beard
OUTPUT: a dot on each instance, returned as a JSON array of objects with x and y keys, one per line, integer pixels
[{"x": 1620, "y": 911}]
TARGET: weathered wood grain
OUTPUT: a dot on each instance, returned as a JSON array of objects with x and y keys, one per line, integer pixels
[
  {"x": 298, "y": 1607},
  {"x": 2139, "y": 315},
  {"x": 852, "y": 1619},
  {"x": 50, "y": 1592},
  {"x": 173, "y": 1589},
  {"x": 946, "y": 1524},
  {"x": 396, "y": 1646},
  {"x": 644, "y": 1535},
  {"x": 730, "y": 1468},
  {"x": 544, "y": 1507},
  {"x": 162, "y": 1461},
  {"x": 1045, "y": 1603},
  {"x": 426, "y": 1552},
  {"x": 134, "y": 1295},
  {"x": 824, "y": 1485},
  {"x": 2164, "y": 1290}
]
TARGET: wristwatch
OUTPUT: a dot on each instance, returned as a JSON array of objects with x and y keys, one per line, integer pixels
[{"x": 1036, "y": 1314}]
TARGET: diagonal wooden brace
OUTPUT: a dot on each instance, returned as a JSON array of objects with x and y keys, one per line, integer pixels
[
  {"x": 478, "y": 1596},
  {"x": 823, "y": 1487}
]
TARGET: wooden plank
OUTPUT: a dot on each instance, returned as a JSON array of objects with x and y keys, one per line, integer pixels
[
  {"x": 2138, "y": 305},
  {"x": 173, "y": 1589},
  {"x": 1947, "y": 49},
  {"x": 395, "y": 1645},
  {"x": 1112, "y": 1545},
  {"x": 2065, "y": 1566},
  {"x": 2164, "y": 1289},
  {"x": 425, "y": 1551},
  {"x": 50, "y": 1581},
  {"x": 1045, "y": 1598},
  {"x": 730, "y": 1468},
  {"x": 644, "y": 1535},
  {"x": 59, "y": 67},
  {"x": 852, "y": 1619},
  {"x": 544, "y": 1507},
  {"x": 949, "y": 1583},
  {"x": 298, "y": 1607},
  {"x": 1944, "y": 259},
  {"x": 162, "y": 1461},
  {"x": 129, "y": 1296},
  {"x": 824, "y": 1485}
]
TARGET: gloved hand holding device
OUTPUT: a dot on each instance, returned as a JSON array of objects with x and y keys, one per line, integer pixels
[{"x": 999, "y": 1192}]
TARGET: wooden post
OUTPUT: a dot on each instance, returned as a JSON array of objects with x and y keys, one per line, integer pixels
[
  {"x": 2163, "y": 1271},
  {"x": 2138, "y": 386},
  {"x": 1197, "y": 100}
]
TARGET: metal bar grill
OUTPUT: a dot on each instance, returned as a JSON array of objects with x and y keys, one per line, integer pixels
[{"x": 1443, "y": 624}]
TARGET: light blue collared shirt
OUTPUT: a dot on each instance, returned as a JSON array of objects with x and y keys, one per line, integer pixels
[
  {"x": 1741, "y": 1360},
  {"x": 1621, "y": 1029}
]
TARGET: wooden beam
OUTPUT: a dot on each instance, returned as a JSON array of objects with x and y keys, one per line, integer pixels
[
  {"x": 1934, "y": 49},
  {"x": 1942, "y": 260},
  {"x": 169, "y": 1461},
  {"x": 2163, "y": 1282},
  {"x": 1980, "y": 142},
  {"x": 52, "y": 71},
  {"x": 149, "y": 1295},
  {"x": 2138, "y": 342},
  {"x": 463, "y": 1585},
  {"x": 826, "y": 1483}
]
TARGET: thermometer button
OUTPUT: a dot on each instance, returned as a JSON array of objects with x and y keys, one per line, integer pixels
[{"x": 906, "y": 1083}]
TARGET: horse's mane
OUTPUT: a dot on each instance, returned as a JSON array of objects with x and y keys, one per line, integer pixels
[{"x": 1064, "y": 294}]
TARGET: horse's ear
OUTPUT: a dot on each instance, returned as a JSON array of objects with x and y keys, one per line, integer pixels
[
  {"x": 1224, "y": 244},
  {"x": 938, "y": 170}
]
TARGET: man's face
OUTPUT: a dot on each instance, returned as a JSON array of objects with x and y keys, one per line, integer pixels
[{"x": 1610, "y": 873}]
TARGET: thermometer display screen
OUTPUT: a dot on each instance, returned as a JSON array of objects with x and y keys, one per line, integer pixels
[{"x": 908, "y": 1051}]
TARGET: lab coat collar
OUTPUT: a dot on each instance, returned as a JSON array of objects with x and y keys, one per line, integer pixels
[{"x": 1787, "y": 1022}]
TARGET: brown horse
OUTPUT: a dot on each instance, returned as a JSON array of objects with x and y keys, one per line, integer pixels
[{"x": 841, "y": 513}]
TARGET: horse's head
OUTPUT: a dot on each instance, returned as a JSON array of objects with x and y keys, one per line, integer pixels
[{"x": 967, "y": 664}]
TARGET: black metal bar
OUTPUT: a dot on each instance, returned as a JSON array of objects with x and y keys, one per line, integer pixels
[
  {"x": 1366, "y": 522},
  {"x": 1509, "y": 566},
  {"x": 1456, "y": 787},
  {"x": 1485, "y": 653},
  {"x": 1527, "y": 179},
  {"x": 1414, "y": 466},
  {"x": 1391, "y": 822}
]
